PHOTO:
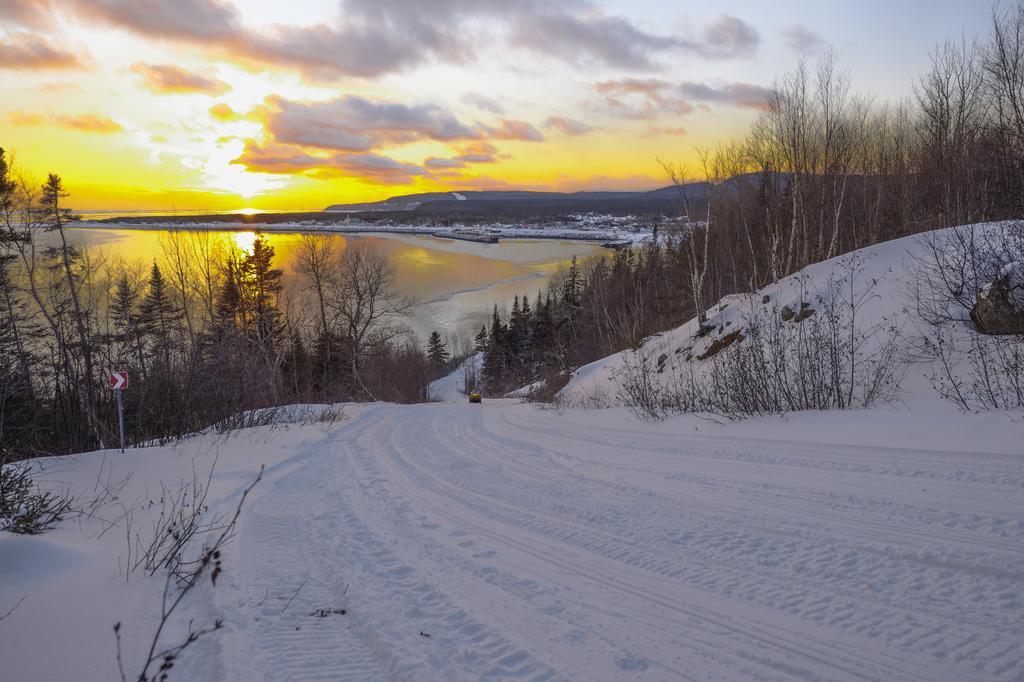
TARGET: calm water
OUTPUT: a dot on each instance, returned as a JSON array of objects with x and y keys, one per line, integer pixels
[{"x": 454, "y": 283}]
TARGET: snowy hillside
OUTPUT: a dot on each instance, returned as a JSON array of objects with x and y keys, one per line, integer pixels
[
  {"x": 452, "y": 541},
  {"x": 880, "y": 281}
]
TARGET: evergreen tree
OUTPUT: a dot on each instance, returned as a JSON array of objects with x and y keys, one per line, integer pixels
[
  {"x": 572, "y": 286},
  {"x": 228, "y": 309},
  {"x": 481, "y": 339},
  {"x": 543, "y": 334},
  {"x": 495, "y": 365},
  {"x": 158, "y": 315},
  {"x": 262, "y": 284},
  {"x": 437, "y": 352}
]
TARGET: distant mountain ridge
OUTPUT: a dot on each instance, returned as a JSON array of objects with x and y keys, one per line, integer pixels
[
  {"x": 427, "y": 200},
  {"x": 651, "y": 200}
]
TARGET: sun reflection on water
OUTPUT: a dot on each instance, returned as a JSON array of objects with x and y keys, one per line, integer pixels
[{"x": 244, "y": 240}]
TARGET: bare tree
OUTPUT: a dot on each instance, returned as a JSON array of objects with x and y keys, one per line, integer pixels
[{"x": 363, "y": 297}]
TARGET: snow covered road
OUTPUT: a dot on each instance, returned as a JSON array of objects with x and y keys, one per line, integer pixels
[{"x": 503, "y": 541}]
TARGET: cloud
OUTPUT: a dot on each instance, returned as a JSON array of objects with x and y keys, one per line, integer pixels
[
  {"x": 370, "y": 168},
  {"x": 743, "y": 95},
  {"x": 223, "y": 112},
  {"x": 802, "y": 39},
  {"x": 437, "y": 163},
  {"x": 474, "y": 153},
  {"x": 178, "y": 19},
  {"x": 728, "y": 38},
  {"x": 86, "y": 123},
  {"x": 21, "y": 119},
  {"x": 385, "y": 36},
  {"x": 641, "y": 99},
  {"x": 376, "y": 37},
  {"x": 28, "y": 13},
  {"x": 61, "y": 86},
  {"x": 567, "y": 126},
  {"x": 24, "y": 51},
  {"x": 652, "y": 98},
  {"x": 658, "y": 131},
  {"x": 512, "y": 129},
  {"x": 588, "y": 35},
  {"x": 375, "y": 169},
  {"x": 170, "y": 79},
  {"x": 355, "y": 124},
  {"x": 484, "y": 103},
  {"x": 478, "y": 152}
]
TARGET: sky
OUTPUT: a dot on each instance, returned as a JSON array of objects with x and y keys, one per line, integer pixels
[{"x": 213, "y": 105}]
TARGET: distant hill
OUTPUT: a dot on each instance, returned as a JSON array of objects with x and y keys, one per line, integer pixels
[
  {"x": 520, "y": 199},
  {"x": 665, "y": 200}
]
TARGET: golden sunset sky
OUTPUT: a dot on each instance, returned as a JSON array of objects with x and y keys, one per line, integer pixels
[{"x": 197, "y": 105}]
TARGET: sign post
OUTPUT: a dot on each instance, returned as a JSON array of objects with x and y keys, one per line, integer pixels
[{"x": 117, "y": 381}]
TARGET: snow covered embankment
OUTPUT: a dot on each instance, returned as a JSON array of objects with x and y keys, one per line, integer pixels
[{"x": 857, "y": 317}]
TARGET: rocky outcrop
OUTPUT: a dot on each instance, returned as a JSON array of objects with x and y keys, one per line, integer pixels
[{"x": 999, "y": 309}]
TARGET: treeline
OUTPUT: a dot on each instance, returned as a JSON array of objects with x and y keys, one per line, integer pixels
[
  {"x": 822, "y": 171},
  {"x": 205, "y": 330},
  {"x": 590, "y": 310}
]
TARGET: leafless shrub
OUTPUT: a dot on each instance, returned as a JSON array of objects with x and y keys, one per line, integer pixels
[
  {"x": 822, "y": 358},
  {"x": 182, "y": 518},
  {"x": 25, "y": 509},
  {"x": 160, "y": 657},
  {"x": 267, "y": 416},
  {"x": 971, "y": 369}
]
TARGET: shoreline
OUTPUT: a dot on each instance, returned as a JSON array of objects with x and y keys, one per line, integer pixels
[{"x": 448, "y": 232}]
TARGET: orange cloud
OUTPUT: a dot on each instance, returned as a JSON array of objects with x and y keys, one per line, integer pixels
[
  {"x": 86, "y": 123},
  {"x": 222, "y": 111},
  {"x": 170, "y": 79},
  {"x": 21, "y": 118},
  {"x": 568, "y": 126},
  {"x": 511, "y": 129},
  {"x": 24, "y": 51},
  {"x": 372, "y": 169},
  {"x": 89, "y": 123}
]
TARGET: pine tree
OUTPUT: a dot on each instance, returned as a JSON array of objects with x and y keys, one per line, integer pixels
[
  {"x": 122, "y": 308},
  {"x": 495, "y": 357},
  {"x": 228, "y": 310},
  {"x": 437, "y": 352},
  {"x": 158, "y": 315},
  {"x": 481, "y": 339},
  {"x": 572, "y": 286},
  {"x": 262, "y": 284},
  {"x": 127, "y": 323},
  {"x": 543, "y": 334}
]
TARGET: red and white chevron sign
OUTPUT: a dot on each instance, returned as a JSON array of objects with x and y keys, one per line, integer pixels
[{"x": 118, "y": 380}]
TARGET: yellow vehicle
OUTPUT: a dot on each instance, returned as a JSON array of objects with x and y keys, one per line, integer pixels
[{"x": 474, "y": 397}]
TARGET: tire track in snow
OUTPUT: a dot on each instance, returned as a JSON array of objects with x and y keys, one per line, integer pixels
[
  {"x": 900, "y": 628},
  {"x": 530, "y": 546}
]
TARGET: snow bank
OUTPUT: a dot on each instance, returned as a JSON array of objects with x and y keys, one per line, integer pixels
[{"x": 882, "y": 274}]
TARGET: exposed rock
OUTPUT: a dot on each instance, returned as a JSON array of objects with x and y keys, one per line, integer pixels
[
  {"x": 805, "y": 311},
  {"x": 999, "y": 309},
  {"x": 720, "y": 344},
  {"x": 765, "y": 299}
]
